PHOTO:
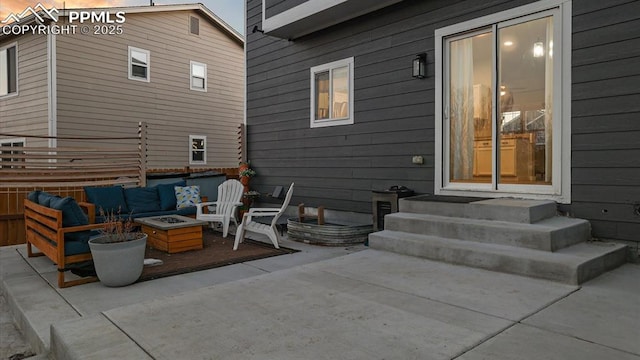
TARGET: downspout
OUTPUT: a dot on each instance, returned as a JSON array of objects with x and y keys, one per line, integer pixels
[
  {"x": 244, "y": 141},
  {"x": 52, "y": 110}
]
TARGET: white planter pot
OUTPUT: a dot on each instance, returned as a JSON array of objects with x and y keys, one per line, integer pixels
[{"x": 118, "y": 264}]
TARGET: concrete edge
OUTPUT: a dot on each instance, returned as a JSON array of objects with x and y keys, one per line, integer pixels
[
  {"x": 90, "y": 337},
  {"x": 32, "y": 302}
]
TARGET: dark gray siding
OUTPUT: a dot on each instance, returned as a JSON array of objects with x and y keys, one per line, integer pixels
[
  {"x": 394, "y": 114},
  {"x": 275, "y": 7},
  {"x": 606, "y": 117}
]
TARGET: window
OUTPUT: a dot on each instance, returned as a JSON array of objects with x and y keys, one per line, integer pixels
[
  {"x": 8, "y": 149},
  {"x": 138, "y": 64},
  {"x": 502, "y": 104},
  {"x": 194, "y": 25},
  {"x": 198, "y": 76},
  {"x": 332, "y": 94},
  {"x": 8, "y": 70},
  {"x": 197, "y": 150}
]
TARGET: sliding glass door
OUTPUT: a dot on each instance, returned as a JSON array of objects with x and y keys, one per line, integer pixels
[{"x": 498, "y": 105}]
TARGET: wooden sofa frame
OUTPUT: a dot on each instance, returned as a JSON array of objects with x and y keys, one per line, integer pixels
[{"x": 44, "y": 230}]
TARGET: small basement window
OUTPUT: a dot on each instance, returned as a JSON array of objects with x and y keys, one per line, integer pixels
[
  {"x": 8, "y": 151},
  {"x": 197, "y": 150}
]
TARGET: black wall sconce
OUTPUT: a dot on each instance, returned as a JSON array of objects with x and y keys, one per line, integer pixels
[{"x": 419, "y": 66}]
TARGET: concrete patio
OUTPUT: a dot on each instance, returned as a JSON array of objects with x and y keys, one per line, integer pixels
[{"x": 326, "y": 303}]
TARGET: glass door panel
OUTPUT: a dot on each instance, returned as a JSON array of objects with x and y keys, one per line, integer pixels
[
  {"x": 470, "y": 108},
  {"x": 525, "y": 75}
]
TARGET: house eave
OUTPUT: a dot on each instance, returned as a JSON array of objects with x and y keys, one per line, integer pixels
[{"x": 315, "y": 15}]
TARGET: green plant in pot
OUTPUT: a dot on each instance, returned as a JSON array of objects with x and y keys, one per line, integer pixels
[{"x": 118, "y": 252}]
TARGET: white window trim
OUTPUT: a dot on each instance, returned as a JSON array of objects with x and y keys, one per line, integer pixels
[
  {"x": 191, "y": 76},
  {"x": 131, "y": 77},
  {"x": 12, "y": 141},
  {"x": 561, "y": 189},
  {"x": 324, "y": 67},
  {"x": 8, "y": 95},
  {"x": 204, "y": 161},
  {"x": 15, "y": 140}
]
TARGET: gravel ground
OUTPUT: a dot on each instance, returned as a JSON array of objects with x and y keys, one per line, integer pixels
[{"x": 12, "y": 343}]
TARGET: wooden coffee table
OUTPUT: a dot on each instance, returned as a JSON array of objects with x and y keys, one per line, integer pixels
[{"x": 172, "y": 233}]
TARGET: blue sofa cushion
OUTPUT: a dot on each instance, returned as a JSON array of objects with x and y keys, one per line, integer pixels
[
  {"x": 33, "y": 196},
  {"x": 142, "y": 199},
  {"x": 191, "y": 210},
  {"x": 167, "y": 194},
  {"x": 110, "y": 199},
  {"x": 72, "y": 215},
  {"x": 184, "y": 211},
  {"x": 44, "y": 198}
]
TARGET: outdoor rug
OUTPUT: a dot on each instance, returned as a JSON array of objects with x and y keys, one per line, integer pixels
[{"x": 217, "y": 252}]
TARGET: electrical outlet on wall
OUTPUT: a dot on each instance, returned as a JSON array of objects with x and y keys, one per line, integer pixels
[{"x": 417, "y": 159}]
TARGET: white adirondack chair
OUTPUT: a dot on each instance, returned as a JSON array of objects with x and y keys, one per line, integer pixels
[
  {"x": 229, "y": 197},
  {"x": 249, "y": 225}
]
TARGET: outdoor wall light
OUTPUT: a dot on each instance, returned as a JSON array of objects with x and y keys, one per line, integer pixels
[{"x": 419, "y": 66}]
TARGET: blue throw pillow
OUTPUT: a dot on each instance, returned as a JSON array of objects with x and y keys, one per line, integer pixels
[
  {"x": 167, "y": 194},
  {"x": 143, "y": 199},
  {"x": 33, "y": 196},
  {"x": 45, "y": 198},
  {"x": 110, "y": 199},
  {"x": 72, "y": 215}
]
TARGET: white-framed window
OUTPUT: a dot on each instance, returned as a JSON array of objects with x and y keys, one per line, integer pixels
[
  {"x": 8, "y": 149},
  {"x": 9, "y": 70},
  {"x": 503, "y": 97},
  {"x": 332, "y": 93},
  {"x": 197, "y": 150},
  {"x": 198, "y": 76},
  {"x": 139, "y": 64}
]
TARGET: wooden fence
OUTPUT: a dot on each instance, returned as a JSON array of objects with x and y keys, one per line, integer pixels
[{"x": 64, "y": 171}]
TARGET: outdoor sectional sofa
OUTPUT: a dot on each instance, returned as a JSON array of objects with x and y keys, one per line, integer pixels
[
  {"x": 60, "y": 228},
  {"x": 137, "y": 202}
]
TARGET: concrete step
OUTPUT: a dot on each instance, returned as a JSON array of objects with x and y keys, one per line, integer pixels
[
  {"x": 549, "y": 234},
  {"x": 510, "y": 210},
  {"x": 572, "y": 265}
]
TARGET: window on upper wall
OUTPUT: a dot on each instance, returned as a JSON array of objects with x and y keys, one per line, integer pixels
[
  {"x": 139, "y": 64},
  {"x": 197, "y": 150},
  {"x": 8, "y": 151},
  {"x": 332, "y": 94},
  {"x": 198, "y": 76},
  {"x": 8, "y": 70},
  {"x": 194, "y": 25}
]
